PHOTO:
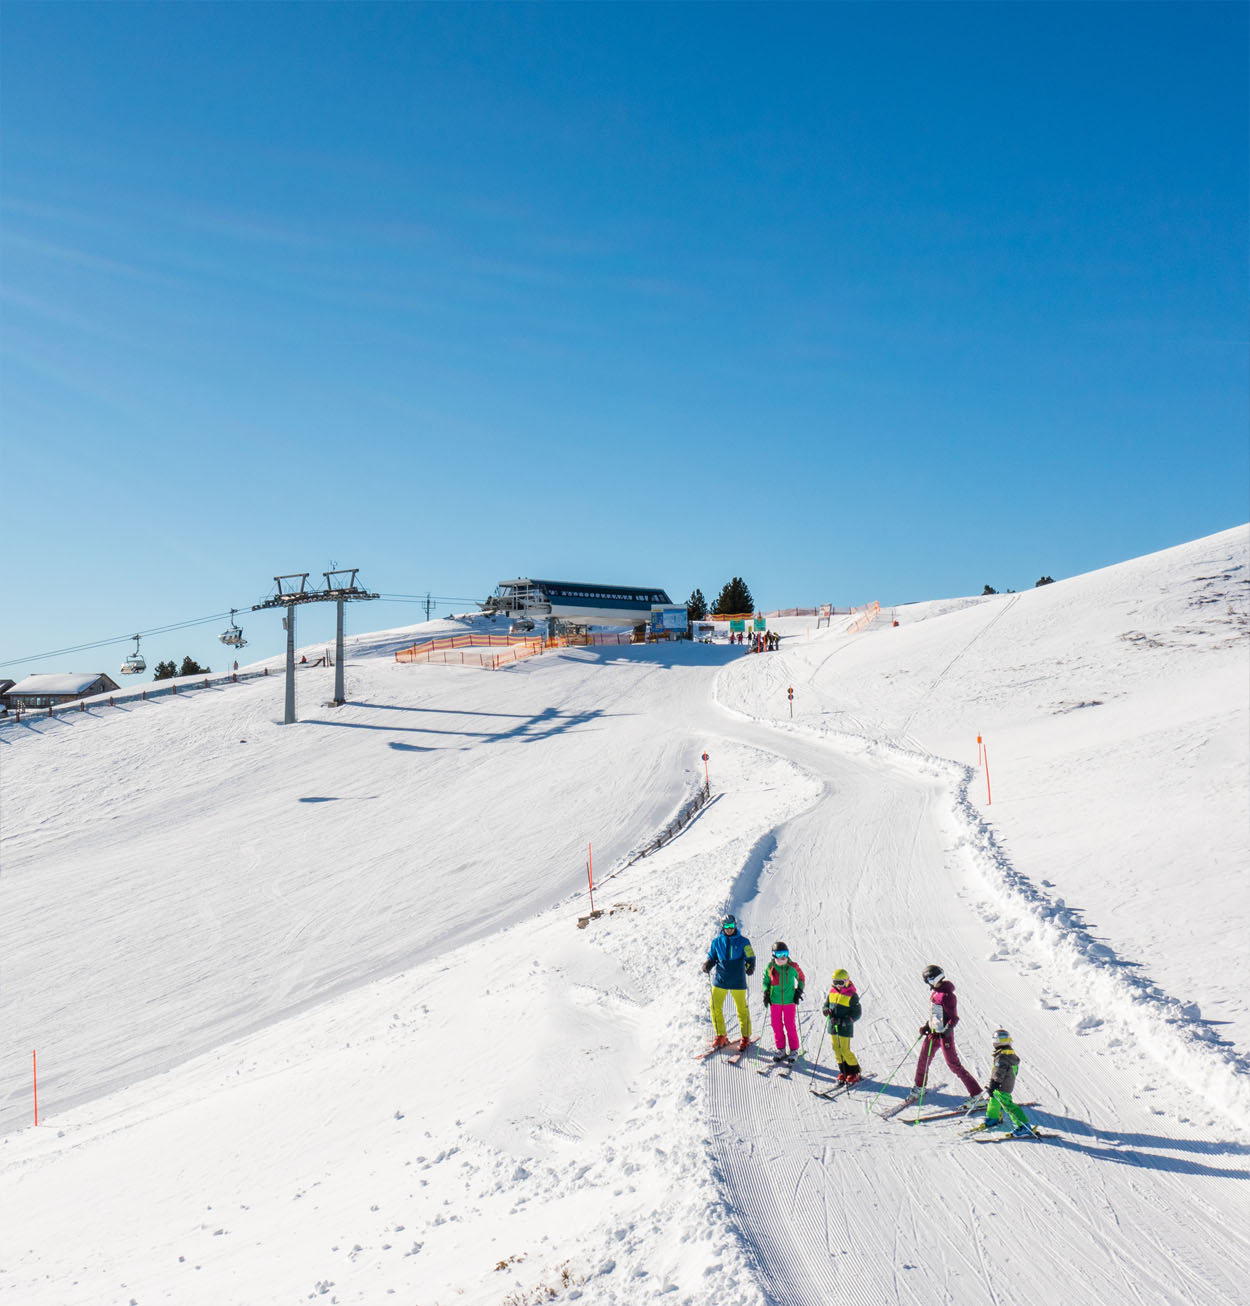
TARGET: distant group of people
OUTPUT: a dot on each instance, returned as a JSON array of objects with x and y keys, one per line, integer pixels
[
  {"x": 731, "y": 961},
  {"x": 760, "y": 642}
]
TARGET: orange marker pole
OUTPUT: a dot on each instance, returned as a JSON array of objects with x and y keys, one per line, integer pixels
[
  {"x": 590, "y": 876},
  {"x": 979, "y": 748},
  {"x": 988, "y": 800}
]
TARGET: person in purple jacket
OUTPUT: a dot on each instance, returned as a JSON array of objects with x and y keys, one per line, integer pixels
[{"x": 939, "y": 1031}]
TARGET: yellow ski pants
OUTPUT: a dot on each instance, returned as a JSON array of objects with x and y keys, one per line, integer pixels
[
  {"x": 718, "y": 1011},
  {"x": 842, "y": 1050}
]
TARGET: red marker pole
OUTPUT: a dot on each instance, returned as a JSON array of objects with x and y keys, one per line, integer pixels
[
  {"x": 790, "y": 695},
  {"x": 988, "y": 799},
  {"x": 34, "y": 1069},
  {"x": 590, "y": 877},
  {"x": 979, "y": 748},
  {"x": 707, "y": 779}
]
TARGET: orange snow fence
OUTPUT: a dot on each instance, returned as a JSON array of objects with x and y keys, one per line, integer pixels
[
  {"x": 472, "y": 650},
  {"x": 867, "y": 613}
]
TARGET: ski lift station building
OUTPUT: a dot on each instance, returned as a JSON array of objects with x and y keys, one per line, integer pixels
[
  {"x": 48, "y": 689},
  {"x": 578, "y": 602}
]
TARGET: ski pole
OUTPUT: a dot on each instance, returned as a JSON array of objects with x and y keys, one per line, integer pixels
[
  {"x": 873, "y": 1101},
  {"x": 820, "y": 1047},
  {"x": 924, "y": 1083}
]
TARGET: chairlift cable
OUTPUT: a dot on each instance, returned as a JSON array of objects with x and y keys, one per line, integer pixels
[
  {"x": 434, "y": 598},
  {"x": 117, "y": 639},
  {"x": 202, "y": 621}
]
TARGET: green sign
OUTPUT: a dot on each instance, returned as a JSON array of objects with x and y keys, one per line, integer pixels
[
  {"x": 760, "y": 623},
  {"x": 737, "y": 627}
]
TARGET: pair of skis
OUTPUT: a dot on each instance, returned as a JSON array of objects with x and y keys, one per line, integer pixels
[
  {"x": 784, "y": 1066},
  {"x": 980, "y": 1134},
  {"x": 736, "y": 1051},
  {"x": 889, "y": 1112},
  {"x": 838, "y": 1090},
  {"x": 957, "y": 1113},
  {"x": 1034, "y": 1137}
]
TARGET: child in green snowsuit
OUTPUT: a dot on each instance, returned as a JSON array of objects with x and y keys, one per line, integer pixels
[{"x": 1002, "y": 1081}]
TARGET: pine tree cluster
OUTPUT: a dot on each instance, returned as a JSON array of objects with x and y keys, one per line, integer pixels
[
  {"x": 190, "y": 667},
  {"x": 734, "y": 600}
]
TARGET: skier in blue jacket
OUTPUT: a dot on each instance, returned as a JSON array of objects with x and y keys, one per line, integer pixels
[{"x": 734, "y": 959}]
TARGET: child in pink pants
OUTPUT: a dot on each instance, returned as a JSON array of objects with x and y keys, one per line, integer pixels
[{"x": 783, "y": 990}]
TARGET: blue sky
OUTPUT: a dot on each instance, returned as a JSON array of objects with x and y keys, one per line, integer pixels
[{"x": 854, "y": 301}]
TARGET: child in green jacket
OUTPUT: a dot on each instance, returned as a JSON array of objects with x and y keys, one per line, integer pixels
[{"x": 783, "y": 988}]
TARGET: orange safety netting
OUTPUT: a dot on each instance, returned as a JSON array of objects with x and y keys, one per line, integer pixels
[{"x": 462, "y": 650}]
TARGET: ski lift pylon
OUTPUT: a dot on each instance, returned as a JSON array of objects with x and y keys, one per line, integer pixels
[
  {"x": 233, "y": 634},
  {"x": 134, "y": 663}
]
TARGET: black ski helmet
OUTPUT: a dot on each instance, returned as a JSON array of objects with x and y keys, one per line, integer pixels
[
  {"x": 932, "y": 975},
  {"x": 780, "y": 947},
  {"x": 729, "y": 923}
]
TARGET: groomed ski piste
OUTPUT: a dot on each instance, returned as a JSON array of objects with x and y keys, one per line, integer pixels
[{"x": 315, "y": 1020}]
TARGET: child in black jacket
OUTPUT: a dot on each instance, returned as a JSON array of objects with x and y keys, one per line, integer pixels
[{"x": 843, "y": 1009}]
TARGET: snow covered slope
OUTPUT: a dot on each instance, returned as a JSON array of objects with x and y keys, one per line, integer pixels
[{"x": 315, "y": 1019}]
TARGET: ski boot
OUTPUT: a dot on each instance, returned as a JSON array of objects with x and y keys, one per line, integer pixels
[{"x": 720, "y": 1041}]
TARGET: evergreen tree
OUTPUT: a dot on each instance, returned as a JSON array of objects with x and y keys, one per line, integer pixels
[
  {"x": 165, "y": 671},
  {"x": 190, "y": 667},
  {"x": 735, "y": 598},
  {"x": 1045, "y": 580},
  {"x": 696, "y": 606},
  {"x": 989, "y": 589}
]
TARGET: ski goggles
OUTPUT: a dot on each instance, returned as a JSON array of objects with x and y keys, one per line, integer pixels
[
  {"x": 729, "y": 927},
  {"x": 781, "y": 956}
]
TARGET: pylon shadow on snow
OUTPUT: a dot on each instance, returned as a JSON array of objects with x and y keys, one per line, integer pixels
[{"x": 532, "y": 726}]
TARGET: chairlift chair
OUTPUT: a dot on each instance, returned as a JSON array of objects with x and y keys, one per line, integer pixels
[
  {"x": 233, "y": 634},
  {"x": 134, "y": 663}
]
